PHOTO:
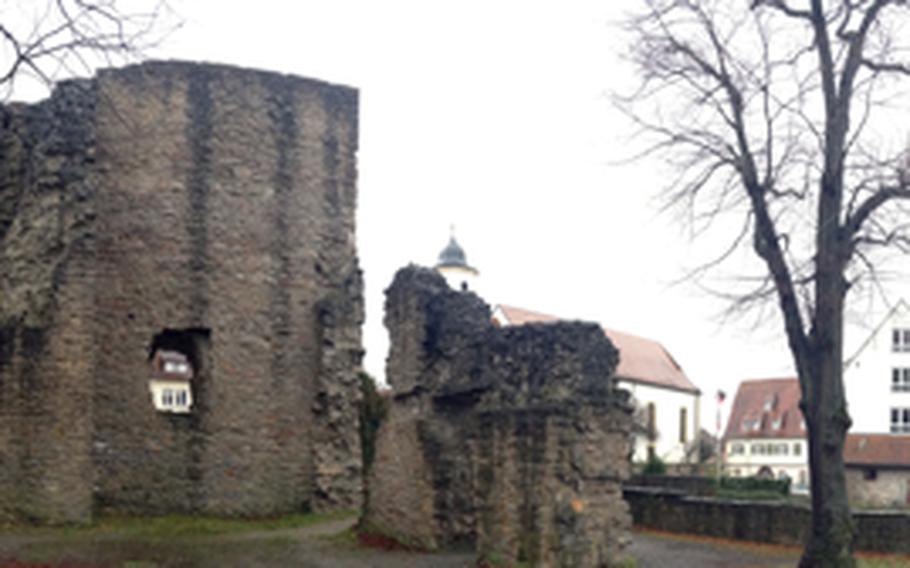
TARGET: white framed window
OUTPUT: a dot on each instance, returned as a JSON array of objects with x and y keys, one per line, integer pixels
[
  {"x": 900, "y": 379},
  {"x": 737, "y": 448},
  {"x": 900, "y": 420},
  {"x": 900, "y": 340},
  {"x": 172, "y": 397},
  {"x": 797, "y": 448},
  {"x": 769, "y": 449}
]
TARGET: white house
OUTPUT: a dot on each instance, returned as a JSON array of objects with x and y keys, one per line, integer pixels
[
  {"x": 169, "y": 385},
  {"x": 766, "y": 435},
  {"x": 877, "y": 377},
  {"x": 669, "y": 403}
]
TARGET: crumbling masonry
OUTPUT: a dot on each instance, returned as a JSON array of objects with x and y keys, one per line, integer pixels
[
  {"x": 513, "y": 441},
  {"x": 198, "y": 208}
]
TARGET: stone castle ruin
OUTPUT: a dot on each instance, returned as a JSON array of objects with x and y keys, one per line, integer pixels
[
  {"x": 180, "y": 299},
  {"x": 512, "y": 441}
]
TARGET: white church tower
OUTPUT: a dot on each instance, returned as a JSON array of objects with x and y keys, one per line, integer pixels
[{"x": 453, "y": 265}]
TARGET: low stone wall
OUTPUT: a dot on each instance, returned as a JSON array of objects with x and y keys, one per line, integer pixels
[
  {"x": 690, "y": 484},
  {"x": 672, "y": 510}
]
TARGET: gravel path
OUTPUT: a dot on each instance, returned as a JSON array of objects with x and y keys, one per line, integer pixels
[{"x": 661, "y": 550}]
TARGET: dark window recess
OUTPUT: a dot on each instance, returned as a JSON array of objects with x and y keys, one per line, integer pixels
[
  {"x": 682, "y": 426},
  {"x": 870, "y": 474},
  {"x": 189, "y": 342},
  {"x": 652, "y": 421}
]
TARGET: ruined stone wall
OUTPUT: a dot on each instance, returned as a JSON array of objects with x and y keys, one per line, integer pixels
[
  {"x": 221, "y": 211},
  {"x": 512, "y": 441},
  {"x": 46, "y": 323}
]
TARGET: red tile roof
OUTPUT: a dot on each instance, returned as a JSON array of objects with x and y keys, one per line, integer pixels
[
  {"x": 766, "y": 408},
  {"x": 163, "y": 357},
  {"x": 749, "y": 407},
  {"x": 888, "y": 450},
  {"x": 640, "y": 360}
]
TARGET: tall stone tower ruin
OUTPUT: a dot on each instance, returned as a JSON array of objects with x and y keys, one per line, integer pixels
[{"x": 206, "y": 213}]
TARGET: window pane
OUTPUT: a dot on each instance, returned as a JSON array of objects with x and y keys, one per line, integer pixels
[{"x": 895, "y": 416}]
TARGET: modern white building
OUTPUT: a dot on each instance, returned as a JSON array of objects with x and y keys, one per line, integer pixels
[
  {"x": 667, "y": 402},
  {"x": 877, "y": 377}
]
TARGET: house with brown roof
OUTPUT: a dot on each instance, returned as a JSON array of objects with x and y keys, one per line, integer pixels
[
  {"x": 765, "y": 434},
  {"x": 169, "y": 384},
  {"x": 668, "y": 403},
  {"x": 878, "y": 470}
]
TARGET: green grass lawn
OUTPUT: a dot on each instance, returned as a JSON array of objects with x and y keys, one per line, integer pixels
[{"x": 169, "y": 526}]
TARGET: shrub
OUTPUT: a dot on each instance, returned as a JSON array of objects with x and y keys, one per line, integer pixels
[
  {"x": 654, "y": 466},
  {"x": 756, "y": 484},
  {"x": 373, "y": 410}
]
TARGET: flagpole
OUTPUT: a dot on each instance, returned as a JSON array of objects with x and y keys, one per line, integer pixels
[{"x": 718, "y": 453}]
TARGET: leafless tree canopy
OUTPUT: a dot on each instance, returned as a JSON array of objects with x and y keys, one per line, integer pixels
[
  {"x": 733, "y": 97},
  {"x": 46, "y": 40},
  {"x": 792, "y": 115}
]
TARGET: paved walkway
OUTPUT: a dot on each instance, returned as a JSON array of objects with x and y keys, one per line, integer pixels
[{"x": 662, "y": 550}]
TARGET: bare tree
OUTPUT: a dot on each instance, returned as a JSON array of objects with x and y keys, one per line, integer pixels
[
  {"x": 50, "y": 39},
  {"x": 787, "y": 114}
]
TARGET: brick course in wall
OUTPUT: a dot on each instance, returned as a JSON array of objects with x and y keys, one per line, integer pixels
[{"x": 211, "y": 203}]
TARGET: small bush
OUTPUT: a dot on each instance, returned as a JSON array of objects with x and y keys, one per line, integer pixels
[
  {"x": 654, "y": 466},
  {"x": 373, "y": 410}
]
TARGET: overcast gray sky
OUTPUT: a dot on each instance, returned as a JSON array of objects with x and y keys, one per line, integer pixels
[{"x": 495, "y": 117}]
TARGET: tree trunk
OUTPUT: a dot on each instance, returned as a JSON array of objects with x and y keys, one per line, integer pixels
[
  {"x": 825, "y": 411},
  {"x": 831, "y": 536}
]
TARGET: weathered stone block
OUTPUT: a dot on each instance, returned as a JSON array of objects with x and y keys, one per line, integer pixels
[{"x": 512, "y": 441}]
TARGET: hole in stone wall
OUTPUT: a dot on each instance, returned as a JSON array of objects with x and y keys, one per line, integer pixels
[{"x": 176, "y": 357}]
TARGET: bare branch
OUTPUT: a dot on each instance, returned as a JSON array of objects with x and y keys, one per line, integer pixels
[
  {"x": 75, "y": 36},
  {"x": 870, "y": 205}
]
